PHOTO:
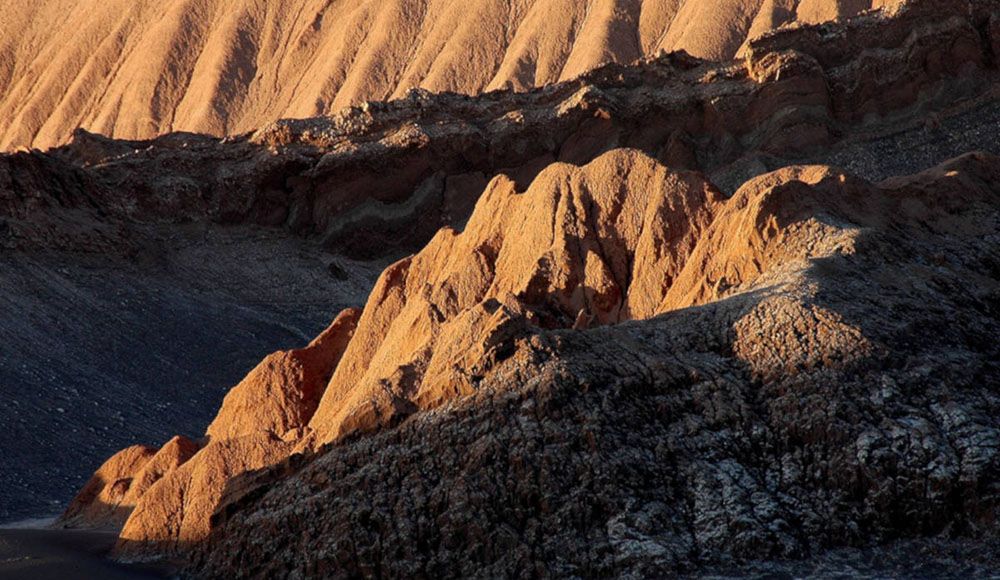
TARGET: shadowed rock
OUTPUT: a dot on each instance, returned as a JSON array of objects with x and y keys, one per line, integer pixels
[
  {"x": 838, "y": 390},
  {"x": 613, "y": 369}
]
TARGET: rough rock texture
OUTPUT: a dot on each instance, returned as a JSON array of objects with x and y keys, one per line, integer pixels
[
  {"x": 176, "y": 452},
  {"x": 761, "y": 398},
  {"x": 178, "y": 508},
  {"x": 101, "y": 501},
  {"x": 137, "y": 69},
  {"x": 614, "y": 369},
  {"x": 384, "y": 177},
  {"x": 259, "y": 420},
  {"x": 843, "y": 395},
  {"x": 598, "y": 244},
  {"x": 282, "y": 393},
  {"x": 593, "y": 245}
]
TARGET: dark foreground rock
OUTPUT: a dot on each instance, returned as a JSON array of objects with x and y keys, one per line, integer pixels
[{"x": 845, "y": 394}]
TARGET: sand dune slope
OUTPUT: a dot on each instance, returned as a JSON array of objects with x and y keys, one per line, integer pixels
[{"x": 139, "y": 68}]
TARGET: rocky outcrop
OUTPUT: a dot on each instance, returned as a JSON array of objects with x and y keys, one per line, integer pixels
[
  {"x": 613, "y": 369},
  {"x": 138, "y": 69},
  {"x": 384, "y": 177},
  {"x": 175, "y": 512},
  {"x": 172, "y": 455},
  {"x": 738, "y": 315},
  {"x": 581, "y": 247},
  {"x": 282, "y": 393},
  {"x": 101, "y": 501},
  {"x": 585, "y": 246},
  {"x": 799, "y": 400},
  {"x": 113, "y": 492},
  {"x": 168, "y": 495}
]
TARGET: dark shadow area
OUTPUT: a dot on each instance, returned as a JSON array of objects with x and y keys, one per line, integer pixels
[{"x": 46, "y": 554}]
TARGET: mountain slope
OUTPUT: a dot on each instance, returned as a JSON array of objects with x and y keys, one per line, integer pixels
[
  {"x": 615, "y": 369},
  {"x": 777, "y": 390},
  {"x": 835, "y": 384},
  {"x": 113, "y": 237},
  {"x": 137, "y": 69}
]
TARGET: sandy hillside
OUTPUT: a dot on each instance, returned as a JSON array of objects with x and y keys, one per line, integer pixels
[{"x": 138, "y": 68}]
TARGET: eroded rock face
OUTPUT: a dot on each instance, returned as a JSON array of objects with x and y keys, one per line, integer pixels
[
  {"x": 840, "y": 391},
  {"x": 101, "y": 502},
  {"x": 384, "y": 177},
  {"x": 175, "y": 513},
  {"x": 581, "y": 247},
  {"x": 282, "y": 393},
  {"x": 613, "y": 369},
  {"x": 172, "y": 455},
  {"x": 586, "y": 246},
  {"x": 750, "y": 236},
  {"x": 137, "y": 69},
  {"x": 754, "y": 294},
  {"x": 167, "y": 496}
]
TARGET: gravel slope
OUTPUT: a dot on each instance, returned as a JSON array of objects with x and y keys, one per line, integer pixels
[{"x": 97, "y": 351}]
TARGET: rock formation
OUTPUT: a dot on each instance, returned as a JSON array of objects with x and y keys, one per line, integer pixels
[
  {"x": 140, "y": 69},
  {"x": 101, "y": 502},
  {"x": 384, "y": 177},
  {"x": 179, "y": 486},
  {"x": 114, "y": 490},
  {"x": 603, "y": 365},
  {"x": 282, "y": 393},
  {"x": 768, "y": 278},
  {"x": 783, "y": 397},
  {"x": 601, "y": 243},
  {"x": 804, "y": 404}
]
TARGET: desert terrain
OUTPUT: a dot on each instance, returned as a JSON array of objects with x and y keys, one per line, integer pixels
[
  {"x": 138, "y": 69},
  {"x": 566, "y": 289}
]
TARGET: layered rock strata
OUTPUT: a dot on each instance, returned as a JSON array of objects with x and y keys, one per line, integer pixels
[
  {"x": 138, "y": 69},
  {"x": 383, "y": 177}
]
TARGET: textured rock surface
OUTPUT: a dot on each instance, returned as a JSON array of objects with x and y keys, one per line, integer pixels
[
  {"x": 764, "y": 393},
  {"x": 282, "y": 393},
  {"x": 843, "y": 394},
  {"x": 384, "y": 177},
  {"x": 613, "y": 369},
  {"x": 177, "y": 509},
  {"x": 593, "y": 245},
  {"x": 137, "y": 69},
  {"x": 258, "y": 422},
  {"x": 599, "y": 244},
  {"x": 101, "y": 501},
  {"x": 176, "y": 452}
]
